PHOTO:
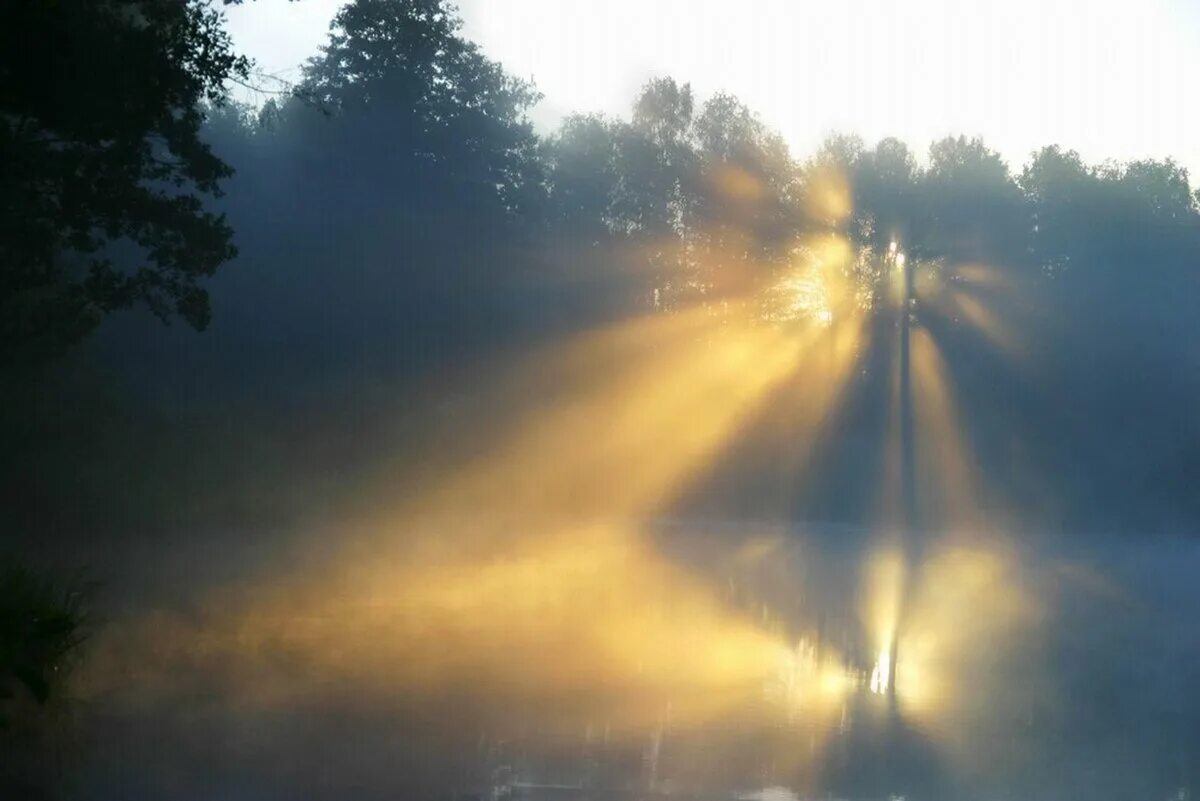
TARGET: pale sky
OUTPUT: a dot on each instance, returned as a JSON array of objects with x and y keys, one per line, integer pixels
[{"x": 1110, "y": 78}]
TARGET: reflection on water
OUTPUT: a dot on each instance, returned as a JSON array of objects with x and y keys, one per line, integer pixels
[
  {"x": 611, "y": 670},
  {"x": 881, "y": 673}
]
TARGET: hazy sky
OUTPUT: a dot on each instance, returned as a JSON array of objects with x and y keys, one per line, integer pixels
[{"x": 1110, "y": 78}]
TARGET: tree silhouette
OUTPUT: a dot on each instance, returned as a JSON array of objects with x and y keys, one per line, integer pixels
[
  {"x": 421, "y": 108},
  {"x": 42, "y": 625},
  {"x": 104, "y": 172},
  {"x": 887, "y": 194},
  {"x": 974, "y": 208}
]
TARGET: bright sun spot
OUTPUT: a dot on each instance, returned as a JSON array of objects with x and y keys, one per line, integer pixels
[
  {"x": 881, "y": 674},
  {"x": 805, "y": 297}
]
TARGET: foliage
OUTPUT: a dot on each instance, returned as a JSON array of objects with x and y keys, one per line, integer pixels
[
  {"x": 41, "y": 628},
  {"x": 427, "y": 106},
  {"x": 104, "y": 168}
]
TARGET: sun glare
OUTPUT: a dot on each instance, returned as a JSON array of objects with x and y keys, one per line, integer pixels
[{"x": 881, "y": 673}]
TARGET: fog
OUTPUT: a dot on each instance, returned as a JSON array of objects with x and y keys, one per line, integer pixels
[{"x": 644, "y": 458}]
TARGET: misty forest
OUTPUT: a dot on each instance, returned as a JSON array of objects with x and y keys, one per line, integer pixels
[{"x": 363, "y": 441}]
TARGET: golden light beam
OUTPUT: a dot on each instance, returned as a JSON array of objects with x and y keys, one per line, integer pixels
[
  {"x": 943, "y": 602},
  {"x": 948, "y": 484},
  {"x": 621, "y": 449},
  {"x": 828, "y": 196},
  {"x": 523, "y": 578},
  {"x": 819, "y": 290},
  {"x": 984, "y": 298},
  {"x": 968, "y": 621}
]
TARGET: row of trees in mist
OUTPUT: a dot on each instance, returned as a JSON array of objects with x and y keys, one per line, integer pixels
[
  {"x": 685, "y": 189},
  {"x": 406, "y": 154},
  {"x": 395, "y": 212}
]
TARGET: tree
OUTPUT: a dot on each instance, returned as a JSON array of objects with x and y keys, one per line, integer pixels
[
  {"x": 42, "y": 626},
  {"x": 829, "y": 185},
  {"x": 657, "y": 161},
  {"x": 582, "y": 175},
  {"x": 398, "y": 189},
  {"x": 886, "y": 194},
  {"x": 104, "y": 177},
  {"x": 1161, "y": 187},
  {"x": 422, "y": 109},
  {"x": 747, "y": 213},
  {"x": 1110, "y": 217},
  {"x": 974, "y": 210},
  {"x": 663, "y": 113},
  {"x": 1063, "y": 194}
]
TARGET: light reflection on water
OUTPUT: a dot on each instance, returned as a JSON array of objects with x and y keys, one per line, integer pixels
[
  {"x": 613, "y": 702},
  {"x": 662, "y": 662}
]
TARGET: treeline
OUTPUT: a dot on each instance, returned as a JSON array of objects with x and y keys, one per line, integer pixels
[
  {"x": 396, "y": 216},
  {"x": 403, "y": 163},
  {"x": 398, "y": 213},
  {"x": 404, "y": 170}
]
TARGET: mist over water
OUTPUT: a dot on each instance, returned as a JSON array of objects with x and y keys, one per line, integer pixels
[
  {"x": 645, "y": 459},
  {"x": 546, "y": 611}
]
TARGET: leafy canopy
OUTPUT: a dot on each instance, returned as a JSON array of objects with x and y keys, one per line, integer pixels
[{"x": 104, "y": 172}]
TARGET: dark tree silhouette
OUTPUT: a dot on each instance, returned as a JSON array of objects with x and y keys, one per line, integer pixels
[
  {"x": 974, "y": 208},
  {"x": 42, "y": 625},
  {"x": 887, "y": 194},
  {"x": 423, "y": 110},
  {"x": 707, "y": 197},
  {"x": 104, "y": 171}
]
